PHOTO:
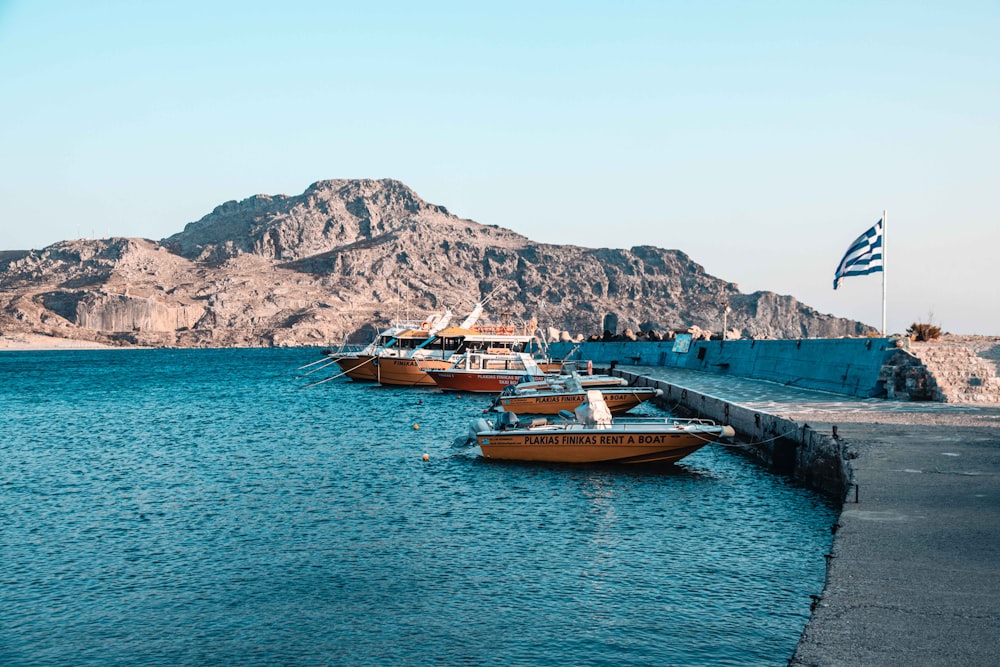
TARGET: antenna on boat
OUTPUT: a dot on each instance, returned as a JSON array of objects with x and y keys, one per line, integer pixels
[
  {"x": 477, "y": 310},
  {"x": 490, "y": 295}
]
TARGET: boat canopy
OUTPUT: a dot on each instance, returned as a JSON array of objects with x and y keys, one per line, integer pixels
[
  {"x": 456, "y": 332},
  {"x": 413, "y": 334}
]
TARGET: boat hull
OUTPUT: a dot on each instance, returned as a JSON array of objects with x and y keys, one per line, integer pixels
[
  {"x": 543, "y": 403},
  {"x": 396, "y": 372},
  {"x": 359, "y": 367},
  {"x": 592, "y": 446},
  {"x": 478, "y": 382}
]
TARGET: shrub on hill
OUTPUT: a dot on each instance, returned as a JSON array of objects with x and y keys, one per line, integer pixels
[{"x": 923, "y": 331}]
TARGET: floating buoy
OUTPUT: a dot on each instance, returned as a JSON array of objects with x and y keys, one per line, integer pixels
[
  {"x": 427, "y": 457},
  {"x": 416, "y": 427}
]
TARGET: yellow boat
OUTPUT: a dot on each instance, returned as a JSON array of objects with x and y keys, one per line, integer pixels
[
  {"x": 556, "y": 393},
  {"x": 553, "y": 402},
  {"x": 358, "y": 367},
  {"x": 591, "y": 435}
]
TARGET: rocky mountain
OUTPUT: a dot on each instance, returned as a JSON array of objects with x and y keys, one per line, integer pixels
[{"x": 346, "y": 256}]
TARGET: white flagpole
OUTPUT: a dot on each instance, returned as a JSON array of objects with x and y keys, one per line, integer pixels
[{"x": 883, "y": 271}]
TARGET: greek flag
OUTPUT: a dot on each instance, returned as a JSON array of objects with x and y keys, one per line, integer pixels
[{"x": 863, "y": 257}]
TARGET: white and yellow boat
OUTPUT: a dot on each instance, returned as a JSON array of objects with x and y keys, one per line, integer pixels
[
  {"x": 556, "y": 393},
  {"x": 591, "y": 435}
]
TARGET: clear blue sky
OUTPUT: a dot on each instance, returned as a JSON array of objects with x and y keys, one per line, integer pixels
[{"x": 759, "y": 138}]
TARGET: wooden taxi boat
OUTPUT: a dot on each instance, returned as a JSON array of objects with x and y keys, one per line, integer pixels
[
  {"x": 418, "y": 352},
  {"x": 591, "y": 435},
  {"x": 401, "y": 355},
  {"x": 487, "y": 372}
]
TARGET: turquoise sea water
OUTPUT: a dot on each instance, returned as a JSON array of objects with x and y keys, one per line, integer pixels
[{"x": 199, "y": 507}]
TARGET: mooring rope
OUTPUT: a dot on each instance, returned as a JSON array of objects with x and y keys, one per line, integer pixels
[
  {"x": 318, "y": 368},
  {"x": 754, "y": 443},
  {"x": 313, "y": 384},
  {"x": 318, "y": 361}
]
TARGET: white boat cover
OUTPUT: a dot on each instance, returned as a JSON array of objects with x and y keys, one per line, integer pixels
[{"x": 594, "y": 411}]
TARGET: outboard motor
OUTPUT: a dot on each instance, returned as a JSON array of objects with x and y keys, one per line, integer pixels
[
  {"x": 477, "y": 426},
  {"x": 509, "y": 390}
]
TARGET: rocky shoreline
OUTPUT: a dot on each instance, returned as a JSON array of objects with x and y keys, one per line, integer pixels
[{"x": 36, "y": 342}]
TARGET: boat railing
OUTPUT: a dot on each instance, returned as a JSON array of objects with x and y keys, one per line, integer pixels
[
  {"x": 673, "y": 421},
  {"x": 497, "y": 330},
  {"x": 568, "y": 419},
  {"x": 543, "y": 424},
  {"x": 343, "y": 351}
]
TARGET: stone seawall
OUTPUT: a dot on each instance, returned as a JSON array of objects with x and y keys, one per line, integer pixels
[
  {"x": 851, "y": 366},
  {"x": 820, "y": 460},
  {"x": 954, "y": 369},
  {"x": 848, "y": 366}
]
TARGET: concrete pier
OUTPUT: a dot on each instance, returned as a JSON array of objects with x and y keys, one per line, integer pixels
[
  {"x": 851, "y": 366},
  {"x": 913, "y": 575}
]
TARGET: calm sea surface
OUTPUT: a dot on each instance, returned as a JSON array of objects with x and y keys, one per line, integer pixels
[{"x": 199, "y": 507}]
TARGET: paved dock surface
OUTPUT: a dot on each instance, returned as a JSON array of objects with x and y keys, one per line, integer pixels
[{"x": 914, "y": 570}]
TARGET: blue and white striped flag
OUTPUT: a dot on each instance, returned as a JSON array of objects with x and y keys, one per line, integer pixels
[{"x": 863, "y": 257}]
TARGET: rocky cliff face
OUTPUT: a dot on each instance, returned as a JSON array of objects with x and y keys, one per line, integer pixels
[
  {"x": 328, "y": 215},
  {"x": 347, "y": 255}
]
